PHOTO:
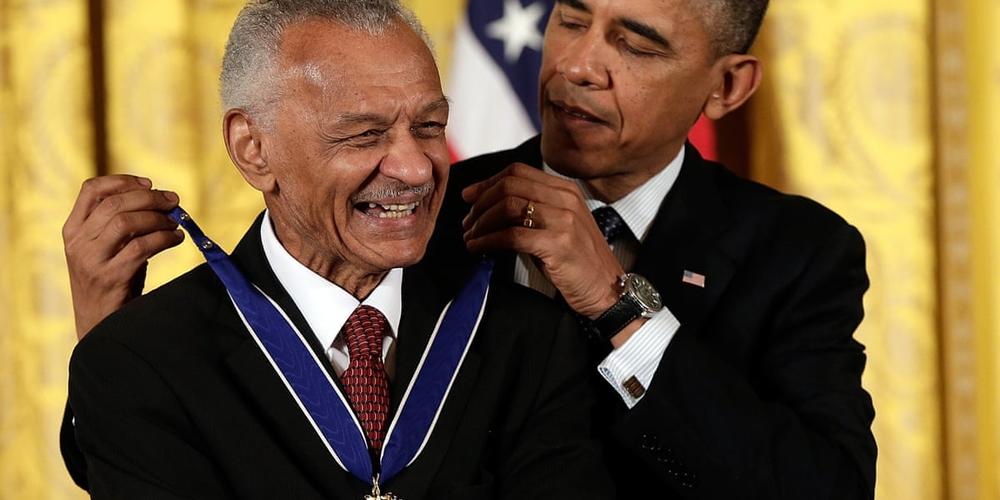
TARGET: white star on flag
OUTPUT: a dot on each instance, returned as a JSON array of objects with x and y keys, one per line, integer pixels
[{"x": 518, "y": 28}]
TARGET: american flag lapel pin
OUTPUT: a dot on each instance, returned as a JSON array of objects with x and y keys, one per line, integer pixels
[{"x": 693, "y": 278}]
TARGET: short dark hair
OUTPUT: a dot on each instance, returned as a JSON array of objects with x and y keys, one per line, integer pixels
[{"x": 734, "y": 24}]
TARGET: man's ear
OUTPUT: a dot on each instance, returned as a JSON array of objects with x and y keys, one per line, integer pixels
[
  {"x": 741, "y": 76},
  {"x": 244, "y": 142}
]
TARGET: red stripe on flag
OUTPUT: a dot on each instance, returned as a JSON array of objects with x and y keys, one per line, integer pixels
[{"x": 704, "y": 138}]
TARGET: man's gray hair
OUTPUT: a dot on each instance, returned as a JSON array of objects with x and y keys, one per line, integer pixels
[{"x": 248, "y": 79}]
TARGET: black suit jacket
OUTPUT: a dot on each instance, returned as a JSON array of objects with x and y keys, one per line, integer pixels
[
  {"x": 759, "y": 393},
  {"x": 173, "y": 399}
]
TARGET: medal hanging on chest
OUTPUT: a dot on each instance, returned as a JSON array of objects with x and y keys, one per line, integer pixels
[{"x": 376, "y": 493}]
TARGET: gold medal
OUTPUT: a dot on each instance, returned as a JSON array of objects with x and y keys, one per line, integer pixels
[{"x": 378, "y": 495}]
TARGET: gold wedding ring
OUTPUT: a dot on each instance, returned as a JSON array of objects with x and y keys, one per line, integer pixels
[{"x": 529, "y": 211}]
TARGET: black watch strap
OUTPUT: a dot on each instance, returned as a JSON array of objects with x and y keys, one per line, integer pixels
[{"x": 616, "y": 318}]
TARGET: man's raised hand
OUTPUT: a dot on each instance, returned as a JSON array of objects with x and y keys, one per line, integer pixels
[
  {"x": 564, "y": 240},
  {"x": 116, "y": 225}
]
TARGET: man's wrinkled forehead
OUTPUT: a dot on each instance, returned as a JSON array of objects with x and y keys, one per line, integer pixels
[
  {"x": 641, "y": 27},
  {"x": 324, "y": 54}
]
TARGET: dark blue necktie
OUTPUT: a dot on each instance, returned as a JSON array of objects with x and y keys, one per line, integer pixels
[{"x": 611, "y": 224}]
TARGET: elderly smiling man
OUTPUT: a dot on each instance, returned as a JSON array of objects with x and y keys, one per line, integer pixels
[{"x": 317, "y": 361}]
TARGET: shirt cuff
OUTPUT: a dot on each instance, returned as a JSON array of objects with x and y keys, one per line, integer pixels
[{"x": 630, "y": 368}]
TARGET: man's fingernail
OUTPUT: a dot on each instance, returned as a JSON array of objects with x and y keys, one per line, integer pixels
[
  {"x": 171, "y": 197},
  {"x": 144, "y": 182},
  {"x": 179, "y": 233}
]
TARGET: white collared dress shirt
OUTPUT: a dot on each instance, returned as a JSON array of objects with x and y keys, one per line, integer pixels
[{"x": 324, "y": 305}]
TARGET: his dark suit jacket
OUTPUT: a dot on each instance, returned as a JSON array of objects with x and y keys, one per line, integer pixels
[
  {"x": 173, "y": 399},
  {"x": 759, "y": 393}
]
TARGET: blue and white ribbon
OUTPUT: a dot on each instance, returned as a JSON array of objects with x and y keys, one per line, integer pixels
[{"x": 316, "y": 394}]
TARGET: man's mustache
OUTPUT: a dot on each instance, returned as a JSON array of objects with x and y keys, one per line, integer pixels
[{"x": 393, "y": 190}]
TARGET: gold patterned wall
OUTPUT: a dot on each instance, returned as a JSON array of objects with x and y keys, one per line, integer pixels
[
  {"x": 844, "y": 117},
  {"x": 162, "y": 62},
  {"x": 45, "y": 153},
  {"x": 440, "y": 17},
  {"x": 967, "y": 52}
]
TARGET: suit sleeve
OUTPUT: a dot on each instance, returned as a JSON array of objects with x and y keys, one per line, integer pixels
[
  {"x": 76, "y": 465},
  {"x": 554, "y": 455},
  {"x": 800, "y": 429},
  {"x": 132, "y": 430}
]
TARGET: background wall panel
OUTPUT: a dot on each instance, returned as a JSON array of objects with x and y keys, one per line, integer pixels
[
  {"x": 46, "y": 151},
  {"x": 844, "y": 117}
]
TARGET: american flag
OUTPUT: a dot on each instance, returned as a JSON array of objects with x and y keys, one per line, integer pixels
[
  {"x": 693, "y": 278},
  {"x": 493, "y": 82}
]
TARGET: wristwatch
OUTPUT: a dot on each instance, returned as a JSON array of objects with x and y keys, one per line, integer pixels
[{"x": 638, "y": 299}]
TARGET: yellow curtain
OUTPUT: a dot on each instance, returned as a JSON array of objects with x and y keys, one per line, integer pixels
[
  {"x": 845, "y": 117},
  {"x": 440, "y": 17},
  {"x": 46, "y": 151},
  {"x": 967, "y": 53},
  {"x": 163, "y": 114}
]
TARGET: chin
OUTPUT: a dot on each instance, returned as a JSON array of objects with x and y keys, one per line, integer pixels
[
  {"x": 574, "y": 158},
  {"x": 576, "y": 163},
  {"x": 400, "y": 254}
]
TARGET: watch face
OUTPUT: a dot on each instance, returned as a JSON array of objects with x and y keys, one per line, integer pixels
[{"x": 644, "y": 292}]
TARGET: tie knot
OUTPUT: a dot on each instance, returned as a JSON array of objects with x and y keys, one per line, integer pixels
[
  {"x": 363, "y": 332},
  {"x": 611, "y": 224}
]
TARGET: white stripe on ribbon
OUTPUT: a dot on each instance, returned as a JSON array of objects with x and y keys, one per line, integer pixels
[
  {"x": 288, "y": 386},
  {"x": 454, "y": 375}
]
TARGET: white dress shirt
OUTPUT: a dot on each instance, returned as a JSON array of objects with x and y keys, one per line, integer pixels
[
  {"x": 642, "y": 353},
  {"x": 324, "y": 305}
]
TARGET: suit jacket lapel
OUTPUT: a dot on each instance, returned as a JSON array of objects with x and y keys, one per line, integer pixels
[
  {"x": 254, "y": 373},
  {"x": 425, "y": 294},
  {"x": 530, "y": 152},
  {"x": 423, "y": 301},
  {"x": 685, "y": 236}
]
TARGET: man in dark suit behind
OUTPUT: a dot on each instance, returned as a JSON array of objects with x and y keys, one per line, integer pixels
[
  {"x": 336, "y": 115},
  {"x": 747, "y": 382}
]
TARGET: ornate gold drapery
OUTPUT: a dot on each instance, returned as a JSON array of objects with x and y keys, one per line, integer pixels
[
  {"x": 845, "y": 118},
  {"x": 888, "y": 113},
  {"x": 45, "y": 152},
  {"x": 967, "y": 60}
]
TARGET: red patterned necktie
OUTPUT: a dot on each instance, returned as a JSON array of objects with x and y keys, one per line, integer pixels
[{"x": 365, "y": 380}]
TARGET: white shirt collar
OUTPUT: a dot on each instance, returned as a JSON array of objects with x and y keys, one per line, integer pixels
[
  {"x": 325, "y": 305},
  {"x": 638, "y": 208}
]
